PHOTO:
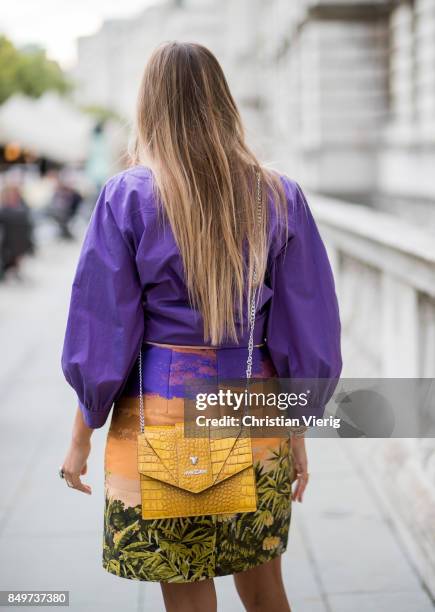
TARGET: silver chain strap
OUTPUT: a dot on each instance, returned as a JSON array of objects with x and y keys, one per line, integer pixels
[
  {"x": 141, "y": 410},
  {"x": 252, "y": 308},
  {"x": 253, "y": 305}
]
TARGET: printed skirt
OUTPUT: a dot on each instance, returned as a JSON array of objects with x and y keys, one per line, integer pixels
[{"x": 192, "y": 548}]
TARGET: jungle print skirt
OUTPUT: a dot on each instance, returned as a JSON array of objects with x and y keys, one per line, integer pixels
[{"x": 192, "y": 548}]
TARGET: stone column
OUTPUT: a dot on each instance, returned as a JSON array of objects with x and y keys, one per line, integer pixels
[{"x": 342, "y": 95}]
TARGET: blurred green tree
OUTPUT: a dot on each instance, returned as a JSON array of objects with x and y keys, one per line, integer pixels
[{"x": 28, "y": 71}]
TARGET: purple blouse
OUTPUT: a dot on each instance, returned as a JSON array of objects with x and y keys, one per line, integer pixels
[{"x": 129, "y": 288}]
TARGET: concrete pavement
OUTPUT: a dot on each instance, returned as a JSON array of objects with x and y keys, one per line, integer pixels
[{"x": 343, "y": 552}]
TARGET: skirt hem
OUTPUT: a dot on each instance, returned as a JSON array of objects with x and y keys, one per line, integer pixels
[{"x": 221, "y": 575}]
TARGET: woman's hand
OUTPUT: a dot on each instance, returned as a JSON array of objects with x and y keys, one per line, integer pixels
[
  {"x": 300, "y": 466},
  {"x": 75, "y": 463}
]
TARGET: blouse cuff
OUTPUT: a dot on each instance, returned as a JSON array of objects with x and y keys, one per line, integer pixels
[{"x": 93, "y": 419}]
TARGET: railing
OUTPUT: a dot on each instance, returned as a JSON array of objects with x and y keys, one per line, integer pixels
[{"x": 385, "y": 277}]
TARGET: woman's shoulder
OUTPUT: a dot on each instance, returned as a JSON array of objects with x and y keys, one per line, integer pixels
[
  {"x": 136, "y": 180},
  {"x": 295, "y": 206},
  {"x": 295, "y": 199},
  {"x": 293, "y": 190},
  {"x": 130, "y": 193}
]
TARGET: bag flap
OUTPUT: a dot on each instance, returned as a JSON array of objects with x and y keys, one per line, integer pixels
[
  {"x": 192, "y": 464},
  {"x": 155, "y": 453}
]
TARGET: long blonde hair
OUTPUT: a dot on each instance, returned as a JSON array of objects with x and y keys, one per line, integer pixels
[{"x": 188, "y": 124}]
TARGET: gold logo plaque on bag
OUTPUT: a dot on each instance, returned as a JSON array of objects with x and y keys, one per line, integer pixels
[{"x": 222, "y": 479}]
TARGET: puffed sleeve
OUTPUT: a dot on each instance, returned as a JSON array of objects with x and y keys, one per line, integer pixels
[
  {"x": 105, "y": 320},
  {"x": 303, "y": 329}
]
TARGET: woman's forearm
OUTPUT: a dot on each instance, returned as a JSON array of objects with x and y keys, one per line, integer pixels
[
  {"x": 75, "y": 463},
  {"x": 81, "y": 433}
]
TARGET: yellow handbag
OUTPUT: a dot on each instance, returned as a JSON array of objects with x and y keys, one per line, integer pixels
[
  {"x": 182, "y": 476},
  {"x": 194, "y": 476}
]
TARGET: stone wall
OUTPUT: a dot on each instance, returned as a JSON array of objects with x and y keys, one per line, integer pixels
[
  {"x": 385, "y": 275},
  {"x": 407, "y": 156}
]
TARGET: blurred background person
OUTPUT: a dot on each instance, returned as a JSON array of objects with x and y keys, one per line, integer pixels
[
  {"x": 64, "y": 206},
  {"x": 97, "y": 167},
  {"x": 16, "y": 230}
]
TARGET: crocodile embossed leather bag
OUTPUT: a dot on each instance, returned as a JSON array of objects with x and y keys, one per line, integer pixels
[{"x": 182, "y": 476}]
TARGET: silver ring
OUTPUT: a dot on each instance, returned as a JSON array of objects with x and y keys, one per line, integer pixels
[{"x": 61, "y": 473}]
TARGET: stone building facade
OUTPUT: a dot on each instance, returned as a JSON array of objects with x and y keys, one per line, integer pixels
[{"x": 341, "y": 94}]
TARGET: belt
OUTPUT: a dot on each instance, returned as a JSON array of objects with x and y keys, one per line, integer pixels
[{"x": 197, "y": 346}]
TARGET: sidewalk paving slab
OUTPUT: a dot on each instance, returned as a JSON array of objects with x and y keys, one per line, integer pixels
[{"x": 343, "y": 555}]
